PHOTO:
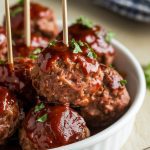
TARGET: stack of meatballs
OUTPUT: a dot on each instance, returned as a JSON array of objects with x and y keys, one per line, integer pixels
[{"x": 57, "y": 94}]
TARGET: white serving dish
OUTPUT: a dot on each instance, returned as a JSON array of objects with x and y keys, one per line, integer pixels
[{"x": 113, "y": 137}]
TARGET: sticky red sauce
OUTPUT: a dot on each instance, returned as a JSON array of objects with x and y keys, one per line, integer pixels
[
  {"x": 95, "y": 37},
  {"x": 21, "y": 50},
  {"x": 16, "y": 79},
  {"x": 63, "y": 126},
  {"x": 38, "y": 11},
  {"x": 61, "y": 51},
  {"x": 5, "y": 99}
]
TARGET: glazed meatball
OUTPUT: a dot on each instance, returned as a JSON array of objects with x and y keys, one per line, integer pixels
[
  {"x": 96, "y": 38},
  {"x": 64, "y": 76},
  {"x": 9, "y": 114},
  {"x": 52, "y": 126},
  {"x": 110, "y": 103},
  {"x": 3, "y": 44},
  {"x": 18, "y": 79},
  {"x": 43, "y": 21}
]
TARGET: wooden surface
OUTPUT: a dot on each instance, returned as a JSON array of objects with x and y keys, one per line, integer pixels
[{"x": 136, "y": 36}]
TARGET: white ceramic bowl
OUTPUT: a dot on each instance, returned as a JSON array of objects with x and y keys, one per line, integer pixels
[{"x": 113, "y": 137}]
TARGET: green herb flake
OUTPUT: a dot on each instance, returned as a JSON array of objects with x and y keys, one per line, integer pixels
[
  {"x": 53, "y": 43},
  {"x": 84, "y": 21},
  {"x": 147, "y": 75},
  {"x": 37, "y": 51},
  {"x": 33, "y": 57},
  {"x": 75, "y": 46},
  {"x": 109, "y": 36},
  {"x": 81, "y": 43},
  {"x": 42, "y": 118},
  {"x": 16, "y": 11},
  {"x": 91, "y": 54},
  {"x": 123, "y": 82},
  {"x": 39, "y": 107}
]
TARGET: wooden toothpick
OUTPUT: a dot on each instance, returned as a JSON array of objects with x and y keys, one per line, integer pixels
[
  {"x": 8, "y": 31},
  {"x": 65, "y": 22},
  {"x": 27, "y": 25}
]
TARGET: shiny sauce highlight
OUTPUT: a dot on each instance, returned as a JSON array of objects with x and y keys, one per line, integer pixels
[{"x": 61, "y": 52}]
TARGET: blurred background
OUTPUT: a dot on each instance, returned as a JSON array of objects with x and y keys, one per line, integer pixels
[{"x": 130, "y": 20}]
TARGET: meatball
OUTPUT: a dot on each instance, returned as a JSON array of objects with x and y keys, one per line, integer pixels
[
  {"x": 3, "y": 44},
  {"x": 43, "y": 21},
  {"x": 96, "y": 38},
  {"x": 18, "y": 79},
  {"x": 69, "y": 75},
  {"x": 9, "y": 114},
  {"x": 37, "y": 42},
  {"x": 110, "y": 103},
  {"x": 64, "y": 76},
  {"x": 52, "y": 126}
]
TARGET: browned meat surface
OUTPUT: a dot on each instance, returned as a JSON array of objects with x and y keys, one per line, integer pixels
[
  {"x": 9, "y": 114},
  {"x": 52, "y": 126},
  {"x": 3, "y": 44},
  {"x": 96, "y": 38},
  {"x": 109, "y": 104},
  {"x": 19, "y": 79},
  {"x": 43, "y": 21}
]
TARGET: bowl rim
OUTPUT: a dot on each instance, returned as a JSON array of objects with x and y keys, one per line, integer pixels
[{"x": 132, "y": 111}]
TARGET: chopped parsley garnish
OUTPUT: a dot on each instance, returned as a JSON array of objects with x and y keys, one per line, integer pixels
[
  {"x": 123, "y": 82},
  {"x": 2, "y": 62},
  {"x": 76, "y": 46},
  {"x": 84, "y": 21},
  {"x": 37, "y": 51},
  {"x": 91, "y": 54},
  {"x": 53, "y": 43},
  {"x": 39, "y": 107},
  {"x": 33, "y": 57},
  {"x": 109, "y": 36},
  {"x": 16, "y": 11},
  {"x": 147, "y": 75},
  {"x": 43, "y": 118},
  {"x": 81, "y": 43}
]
